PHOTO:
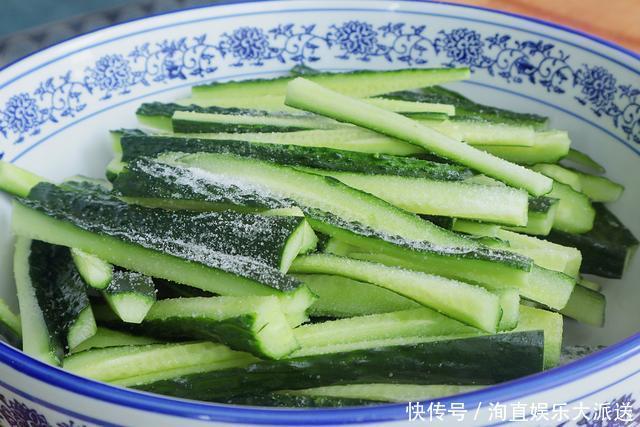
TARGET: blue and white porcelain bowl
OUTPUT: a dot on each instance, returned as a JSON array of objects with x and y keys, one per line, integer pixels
[{"x": 56, "y": 106}]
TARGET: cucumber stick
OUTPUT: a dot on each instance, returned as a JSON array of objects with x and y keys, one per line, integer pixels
[
  {"x": 253, "y": 324},
  {"x": 55, "y": 308},
  {"x": 548, "y": 147},
  {"x": 357, "y": 83},
  {"x": 361, "y": 331},
  {"x": 121, "y": 249},
  {"x": 10, "y": 327},
  {"x": 541, "y": 216},
  {"x": 499, "y": 204},
  {"x": 130, "y": 295},
  {"x": 469, "y": 304},
  {"x": 575, "y": 214},
  {"x": 453, "y": 361},
  {"x": 310, "y": 96},
  {"x": 586, "y": 306},
  {"x": 106, "y": 338},
  {"x": 119, "y": 365},
  {"x": 584, "y": 160},
  {"x": 534, "y": 319},
  {"x": 95, "y": 272},
  {"x": 597, "y": 188}
]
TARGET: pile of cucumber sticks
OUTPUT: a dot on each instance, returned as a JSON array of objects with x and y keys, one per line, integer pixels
[{"x": 320, "y": 239}]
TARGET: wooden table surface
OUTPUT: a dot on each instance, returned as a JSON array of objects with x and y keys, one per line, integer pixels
[{"x": 614, "y": 20}]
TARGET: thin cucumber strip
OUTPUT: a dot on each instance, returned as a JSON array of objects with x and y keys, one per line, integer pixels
[
  {"x": 132, "y": 147},
  {"x": 468, "y": 109},
  {"x": 10, "y": 327},
  {"x": 311, "y": 96},
  {"x": 475, "y": 227},
  {"x": 362, "y": 84},
  {"x": 548, "y": 287},
  {"x": 340, "y": 296},
  {"x": 548, "y": 147},
  {"x": 30, "y": 222},
  {"x": 355, "y": 332},
  {"x": 482, "y": 133},
  {"x": 560, "y": 174},
  {"x": 61, "y": 294},
  {"x": 586, "y": 306},
  {"x": 119, "y": 364},
  {"x": 253, "y": 324},
  {"x": 508, "y": 269},
  {"x": 38, "y": 341},
  {"x": 454, "y": 199},
  {"x": 469, "y": 304},
  {"x": 599, "y": 188},
  {"x": 130, "y": 295},
  {"x": 582, "y": 159},
  {"x": 452, "y": 361},
  {"x": 385, "y": 392},
  {"x": 105, "y": 338},
  {"x": 533, "y": 319},
  {"x": 400, "y": 106},
  {"x": 196, "y": 122},
  {"x": 575, "y": 212},
  {"x": 606, "y": 249},
  {"x": 95, "y": 272}
]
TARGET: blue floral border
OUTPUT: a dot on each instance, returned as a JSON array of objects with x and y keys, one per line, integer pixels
[{"x": 502, "y": 56}]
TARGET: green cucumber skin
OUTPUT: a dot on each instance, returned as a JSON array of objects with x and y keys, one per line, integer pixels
[
  {"x": 455, "y": 361},
  {"x": 145, "y": 178},
  {"x": 59, "y": 288},
  {"x": 285, "y": 400},
  {"x": 541, "y": 204},
  {"x": 467, "y": 109},
  {"x": 235, "y": 332},
  {"x": 187, "y": 126},
  {"x": 606, "y": 249},
  {"x": 104, "y": 215},
  {"x": 129, "y": 282},
  {"x": 315, "y": 157}
]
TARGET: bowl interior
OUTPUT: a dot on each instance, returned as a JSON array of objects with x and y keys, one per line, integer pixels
[{"x": 113, "y": 71}]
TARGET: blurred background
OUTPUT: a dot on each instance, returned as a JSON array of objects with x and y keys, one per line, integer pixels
[{"x": 28, "y": 25}]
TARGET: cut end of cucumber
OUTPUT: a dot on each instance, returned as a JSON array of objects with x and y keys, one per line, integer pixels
[
  {"x": 295, "y": 305},
  {"x": 130, "y": 307},
  {"x": 534, "y": 319},
  {"x": 301, "y": 241},
  {"x": 84, "y": 328},
  {"x": 96, "y": 272}
]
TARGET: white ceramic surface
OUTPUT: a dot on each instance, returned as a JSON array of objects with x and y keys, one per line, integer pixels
[{"x": 56, "y": 106}]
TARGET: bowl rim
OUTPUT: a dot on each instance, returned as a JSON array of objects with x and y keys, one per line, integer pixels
[{"x": 203, "y": 411}]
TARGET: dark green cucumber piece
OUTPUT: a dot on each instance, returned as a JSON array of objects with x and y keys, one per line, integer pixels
[
  {"x": 363, "y": 83},
  {"x": 132, "y": 147},
  {"x": 312, "y": 97},
  {"x": 467, "y": 109},
  {"x": 130, "y": 295},
  {"x": 253, "y": 324},
  {"x": 500, "y": 204},
  {"x": 340, "y": 296},
  {"x": 115, "y": 231},
  {"x": 129, "y": 364},
  {"x": 106, "y": 338},
  {"x": 606, "y": 249},
  {"x": 10, "y": 327},
  {"x": 470, "y": 304},
  {"x": 576, "y": 157},
  {"x": 508, "y": 269},
  {"x": 586, "y": 306},
  {"x": 38, "y": 341},
  {"x": 95, "y": 272},
  {"x": 293, "y": 400},
  {"x": 383, "y": 392},
  {"x": 454, "y": 361},
  {"x": 359, "y": 332},
  {"x": 56, "y": 311},
  {"x": 548, "y": 147},
  {"x": 541, "y": 216}
]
